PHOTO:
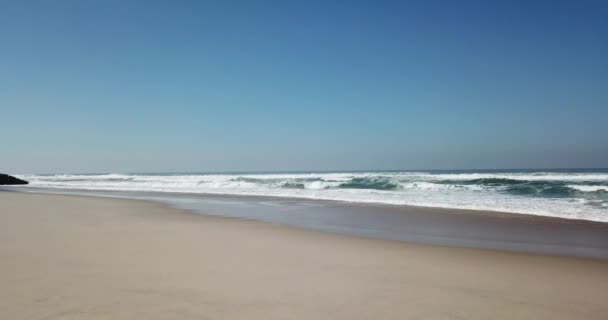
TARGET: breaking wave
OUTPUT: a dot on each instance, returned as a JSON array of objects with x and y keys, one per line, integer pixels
[
  {"x": 370, "y": 183},
  {"x": 579, "y": 194}
]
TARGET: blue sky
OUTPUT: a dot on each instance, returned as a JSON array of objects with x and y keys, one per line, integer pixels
[{"x": 132, "y": 86}]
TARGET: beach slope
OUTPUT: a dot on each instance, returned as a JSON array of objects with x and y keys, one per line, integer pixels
[{"x": 69, "y": 257}]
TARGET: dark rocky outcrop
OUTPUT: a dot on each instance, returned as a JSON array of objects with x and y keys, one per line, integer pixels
[{"x": 5, "y": 179}]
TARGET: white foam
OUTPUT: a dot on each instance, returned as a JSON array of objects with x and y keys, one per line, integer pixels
[
  {"x": 539, "y": 176},
  {"x": 415, "y": 188},
  {"x": 585, "y": 188}
]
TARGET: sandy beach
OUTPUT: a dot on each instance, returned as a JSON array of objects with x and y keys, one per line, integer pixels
[{"x": 70, "y": 257}]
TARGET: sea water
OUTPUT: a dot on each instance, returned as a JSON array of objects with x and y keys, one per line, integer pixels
[{"x": 565, "y": 193}]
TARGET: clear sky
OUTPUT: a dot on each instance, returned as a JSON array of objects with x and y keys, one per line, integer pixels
[{"x": 135, "y": 86}]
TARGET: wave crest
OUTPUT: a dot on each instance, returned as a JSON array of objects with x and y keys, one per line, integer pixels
[{"x": 370, "y": 183}]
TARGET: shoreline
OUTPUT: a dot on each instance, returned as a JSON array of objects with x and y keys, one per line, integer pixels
[
  {"x": 443, "y": 211},
  {"x": 99, "y": 258},
  {"x": 406, "y": 207},
  {"x": 408, "y": 224}
]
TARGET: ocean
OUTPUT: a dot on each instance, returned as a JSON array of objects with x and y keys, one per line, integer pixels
[{"x": 564, "y": 193}]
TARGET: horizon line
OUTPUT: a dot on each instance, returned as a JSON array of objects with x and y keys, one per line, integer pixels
[{"x": 312, "y": 171}]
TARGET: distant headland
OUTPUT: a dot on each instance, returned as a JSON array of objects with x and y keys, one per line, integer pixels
[{"x": 5, "y": 179}]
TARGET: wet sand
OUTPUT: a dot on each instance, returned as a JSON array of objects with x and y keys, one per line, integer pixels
[
  {"x": 70, "y": 257},
  {"x": 423, "y": 225}
]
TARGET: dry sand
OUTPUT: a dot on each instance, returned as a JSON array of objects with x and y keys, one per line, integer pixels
[{"x": 68, "y": 257}]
